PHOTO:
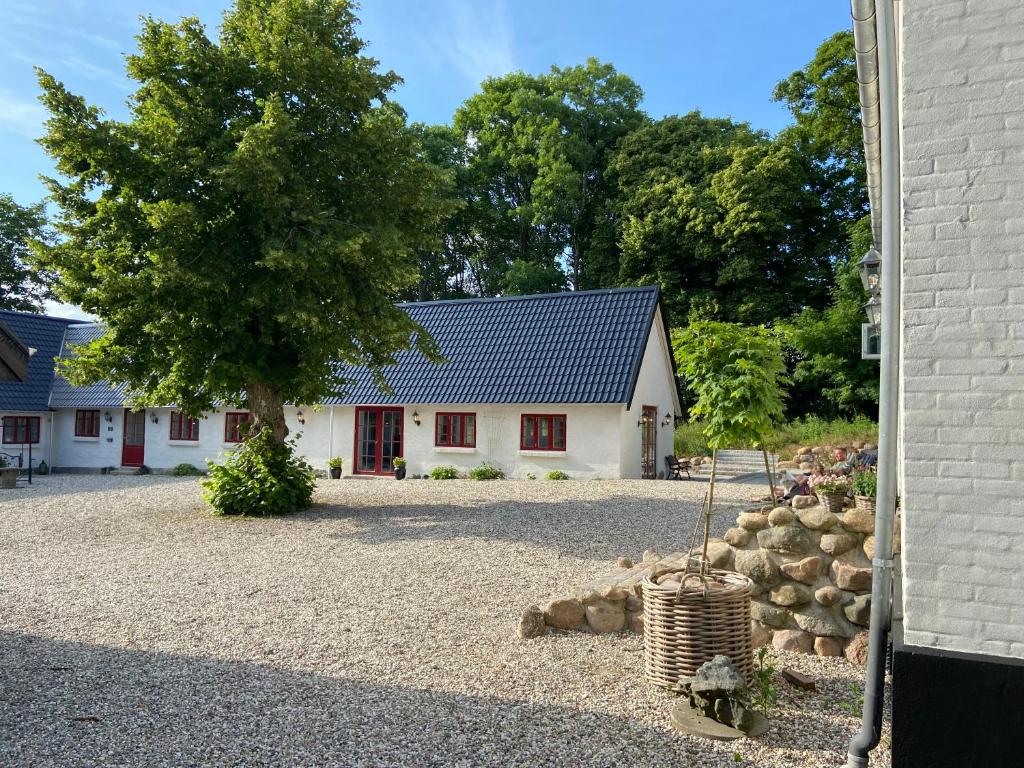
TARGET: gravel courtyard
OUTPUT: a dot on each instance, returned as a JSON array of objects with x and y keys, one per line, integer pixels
[{"x": 376, "y": 629}]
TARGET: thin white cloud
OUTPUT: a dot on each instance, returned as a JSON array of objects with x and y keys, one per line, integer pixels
[
  {"x": 479, "y": 39},
  {"x": 68, "y": 311},
  {"x": 20, "y": 116}
]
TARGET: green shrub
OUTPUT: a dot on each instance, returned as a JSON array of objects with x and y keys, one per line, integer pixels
[
  {"x": 531, "y": 476},
  {"x": 186, "y": 470},
  {"x": 397, "y": 462},
  {"x": 260, "y": 478},
  {"x": 838, "y": 485},
  {"x": 444, "y": 473},
  {"x": 865, "y": 484},
  {"x": 786, "y": 438},
  {"x": 335, "y": 462},
  {"x": 690, "y": 440},
  {"x": 556, "y": 474},
  {"x": 3, "y": 462},
  {"x": 486, "y": 472}
]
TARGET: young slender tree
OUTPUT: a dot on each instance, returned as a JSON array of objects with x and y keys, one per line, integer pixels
[{"x": 247, "y": 227}]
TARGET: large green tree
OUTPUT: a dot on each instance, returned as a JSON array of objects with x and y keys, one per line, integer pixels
[
  {"x": 22, "y": 288},
  {"x": 247, "y": 228}
]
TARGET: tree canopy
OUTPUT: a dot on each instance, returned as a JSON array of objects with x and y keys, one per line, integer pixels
[
  {"x": 247, "y": 228},
  {"x": 22, "y": 288}
]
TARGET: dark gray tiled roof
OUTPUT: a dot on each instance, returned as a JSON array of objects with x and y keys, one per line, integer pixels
[
  {"x": 573, "y": 347},
  {"x": 45, "y": 335},
  {"x": 100, "y": 395}
]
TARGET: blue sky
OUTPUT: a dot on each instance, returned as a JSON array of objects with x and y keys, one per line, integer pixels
[{"x": 722, "y": 57}]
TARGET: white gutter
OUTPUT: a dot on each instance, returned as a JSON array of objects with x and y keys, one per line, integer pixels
[
  {"x": 865, "y": 43},
  {"x": 875, "y": 22}
]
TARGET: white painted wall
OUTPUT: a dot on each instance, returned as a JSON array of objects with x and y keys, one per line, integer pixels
[
  {"x": 655, "y": 386},
  {"x": 963, "y": 325},
  {"x": 40, "y": 450}
]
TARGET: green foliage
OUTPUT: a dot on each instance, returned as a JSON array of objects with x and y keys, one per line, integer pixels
[
  {"x": 557, "y": 474},
  {"x": 531, "y": 476},
  {"x": 444, "y": 472},
  {"x": 397, "y": 462},
  {"x": 690, "y": 440},
  {"x": 262, "y": 477},
  {"x": 186, "y": 470},
  {"x": 3, "y": 462},
  {"x": 22, "y": 287},
  {"x": 855, "y": 703},
  {"x": 335, "y": 462},
  {"x": 764, "y": 693},
  {"x": 865, "y": 484},
  {"x": 247, "y": 227},
  {"x": 832, "y": 486},
  {"x": 486, "y": 472},
  {"x": 737, "y": 374}
]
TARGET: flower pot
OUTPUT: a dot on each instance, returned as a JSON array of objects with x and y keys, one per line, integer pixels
[
  {"x": 8, "y": 477},
  {"x": 335, "y": 473},
  {"x": 399, "y": 473},
  {"x": 866, "y": 503},
  {"x": 833, "y": 502}
]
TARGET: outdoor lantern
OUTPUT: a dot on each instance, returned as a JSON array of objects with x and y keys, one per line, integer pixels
[
  {"x": 667, "y": 420},
  {"x": 645, "y": 419},
  {"x": 301, "y": 417},
  {"x": 870, "y": 268},
  {"x": 153, "y": 418},
  {"x": 107, "y": 417},
  {"x": 873, "y": 307},
  {"x": 416, "y": 418}
]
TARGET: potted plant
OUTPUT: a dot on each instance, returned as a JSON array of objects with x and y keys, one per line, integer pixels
[
  {"x": 832, "y": 493},
  {"x": 334, "y": 465},
  {"x": 399, "y": 464},
  {"x": 8, "y": 475},
  {"x": 865, "y": 488}
]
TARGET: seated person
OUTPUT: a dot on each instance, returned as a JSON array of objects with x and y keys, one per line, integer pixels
[
  {"x": 869, "y": 458},
  {"x": 843, "y": 463}
]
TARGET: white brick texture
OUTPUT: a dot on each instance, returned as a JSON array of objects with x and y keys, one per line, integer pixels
[{"x": 962, "y": 134}]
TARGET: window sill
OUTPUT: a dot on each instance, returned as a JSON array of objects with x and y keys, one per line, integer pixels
[
  {"x": 453, "y": 449},
  {"x": 193, "y": 443},
  {"x": 84, "y": 439},
  {"x": 540, "y": 454}
]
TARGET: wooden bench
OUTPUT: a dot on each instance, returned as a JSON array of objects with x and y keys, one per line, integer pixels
[{"x": 675, "y": 467}]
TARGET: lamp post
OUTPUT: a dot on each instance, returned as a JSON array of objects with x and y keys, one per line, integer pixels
[{"x": 870, "y": 269}]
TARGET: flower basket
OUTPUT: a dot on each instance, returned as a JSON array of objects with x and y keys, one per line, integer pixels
[
  {"x": 689, "y": 624},
  {"x": 866, "y": 503},
  {"x": 832, "y": 501}
]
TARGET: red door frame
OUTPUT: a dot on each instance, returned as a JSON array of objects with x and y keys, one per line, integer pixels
[
  {"x": 379, "y": 459},
  {"x": 649, "y": 442},
  {"x": 137, "y": 455}
]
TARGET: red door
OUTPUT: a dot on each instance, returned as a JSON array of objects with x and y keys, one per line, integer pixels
[
  {"x": 133, "y": 444},
  {"x": 378, "y": 440}
]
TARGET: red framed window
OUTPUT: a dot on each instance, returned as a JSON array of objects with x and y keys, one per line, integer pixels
[
  {"x": 87, "y": 423},
  {"x": 183, "y": 428},
  {"x": 455, "y": 430},
  {"x": 542, "y": 432},
  {"x": 236, "y": 426},
  {"x": 19, "y": 430}
]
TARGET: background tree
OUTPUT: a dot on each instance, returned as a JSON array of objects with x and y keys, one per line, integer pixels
[
  {"x": 247, "y": 228},
  {"x": 22, "y": 288}
]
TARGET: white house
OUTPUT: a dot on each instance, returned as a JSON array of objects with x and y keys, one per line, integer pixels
[
  {"x": 942, "y": 92},
  {"x": 581, "y": 382}
]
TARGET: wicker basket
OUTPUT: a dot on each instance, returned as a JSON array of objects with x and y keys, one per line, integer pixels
[
  {"x": 866, "y": 503},
  {"x": 833, "y": 501},
  {"x": 686, "y": 626}
]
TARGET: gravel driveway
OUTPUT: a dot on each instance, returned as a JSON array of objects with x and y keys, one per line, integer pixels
[{"x": 376, "y": 629}]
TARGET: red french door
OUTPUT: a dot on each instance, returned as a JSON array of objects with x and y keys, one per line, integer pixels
[
  {"x": 133, "y": 440},
  {"x": 379, "y": 435}
]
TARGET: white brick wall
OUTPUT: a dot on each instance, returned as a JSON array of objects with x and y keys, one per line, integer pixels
[{"x": 962, "y": 107}]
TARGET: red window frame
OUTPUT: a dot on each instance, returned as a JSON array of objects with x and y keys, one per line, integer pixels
[
  {"x": 233, "y": 422},
  {"x": 17, "y": 428},
  {"x": 184, "y": 428},
  {"x": 456, "y": 429},
  {"x": 551, "y": 421},
  {"x": 87, "y": 423}
]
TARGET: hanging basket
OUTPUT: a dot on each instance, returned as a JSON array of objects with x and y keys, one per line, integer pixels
[
  {"x": 866, "y": 503},
  {"x": 685, "y": 626},
  {"x": 833, "y": 501}
]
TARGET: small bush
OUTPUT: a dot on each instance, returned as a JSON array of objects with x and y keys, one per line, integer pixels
[
  {"x": 486, "y": 472},
  {"x": 260, "y": 478},
  {"x": 398, "y": 462},
  {"x": 186, "y": 470},
  {"x": 690, "y": 440},
  {"x": 444, "y": 473},
  {"x": 865, "y": 484},
  {"x": 335, "y": 462},
  {"x": 556, "y": 474}
]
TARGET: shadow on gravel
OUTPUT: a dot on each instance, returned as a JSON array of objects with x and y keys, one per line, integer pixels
[{"x": 71, "y": 704}]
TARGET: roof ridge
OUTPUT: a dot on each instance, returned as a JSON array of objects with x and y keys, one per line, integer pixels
[
  {"x": 37, "y": 316},
  {"x": 530, "y": 296}
]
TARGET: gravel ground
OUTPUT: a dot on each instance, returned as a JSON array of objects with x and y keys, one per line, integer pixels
[{"x": 376, "y": 629}]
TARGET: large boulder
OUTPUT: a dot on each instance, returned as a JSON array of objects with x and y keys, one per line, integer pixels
[
  {"x": 531, "y": 623},
  {"x": 738, "y": 537},
  {"x": 635, "y": 622},
  {"x": 759, "y": 635},
  {"x": 605, "y": 616},
  {"x": 804, "y": 502},
  {"x": 857, "y": 649},
  {"x": 752, "y": 521},
  {"x": 564, "y": 613},
  {"x": 769, "y": 615},
  {"x": 836, "y": 544},
  {"x": 781, "y": 516},
  {"x": 850, "y": 577},
  {"x": 805, "y": 571},
  {"x": 859, "y": 610},
  {"x": 793, "y": 640},
  {"x": 828, "y": 646},
  {"x": 818, "y": 518},
  {"x": 757, "y": 565},
  {"x": 720, "y": 555},
  {"x": 828, "y": 595},
  {"x": 859, "y": 521},
  {"x": 822, "y": 622},
  {"x": 789, "y": 595},
  {"x": 792, "y": 539}
]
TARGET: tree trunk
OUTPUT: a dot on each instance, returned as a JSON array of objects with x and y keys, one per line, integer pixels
[
  {"x": 267, "y": 406},
  {"x": 771, "y": 480}
]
